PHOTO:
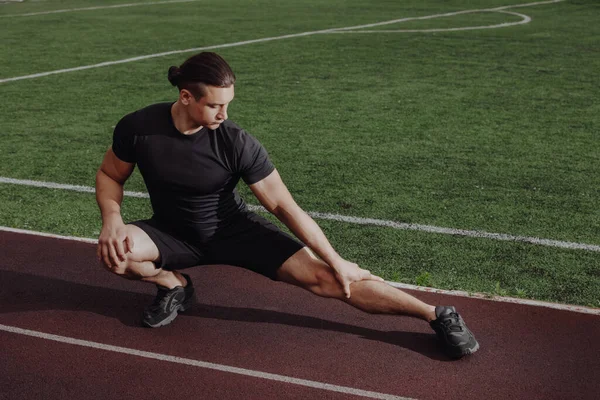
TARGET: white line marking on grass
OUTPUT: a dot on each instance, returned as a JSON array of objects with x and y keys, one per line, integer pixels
[
  {"x": 458, "y": 232},
  {"x": 350, "y": 219},
  {"x": 395, "y": 21},
  {"x": 245, "y": 42},
  {"x": 203, "y": 364},
  {"x": 525, "y": 19},
  {"x": 539, "y": 3},
  {"x": 167, "y": 53},
  {"x": 98, "y": 8},
  {"x": 458, "y": 293},
  {"x": 54, "y": 185}
]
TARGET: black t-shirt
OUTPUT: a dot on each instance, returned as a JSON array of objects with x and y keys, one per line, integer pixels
[{"x": 191, "y": 179}]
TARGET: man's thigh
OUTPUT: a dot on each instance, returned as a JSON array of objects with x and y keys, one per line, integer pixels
[
  {"x": 144, "y": 249},
  {"x": 306, "y": 270},
  {"x": 255, "y": 244},
  {"x": 165, "y": 250}
]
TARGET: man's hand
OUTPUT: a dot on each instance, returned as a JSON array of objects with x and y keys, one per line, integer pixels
[
  {"x": 348, "y": 272},
  {"x": 113, "y": 242}
]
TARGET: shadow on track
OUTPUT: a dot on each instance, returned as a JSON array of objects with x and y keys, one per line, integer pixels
[
  {"x": 425, "y": 344},
  {"x": 23, "y": 292}
]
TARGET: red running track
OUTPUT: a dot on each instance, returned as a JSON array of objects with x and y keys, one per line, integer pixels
[{"x": 244, "y": 320}]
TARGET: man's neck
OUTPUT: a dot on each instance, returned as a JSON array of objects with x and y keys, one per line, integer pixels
[{"x": 181, "y": 120}]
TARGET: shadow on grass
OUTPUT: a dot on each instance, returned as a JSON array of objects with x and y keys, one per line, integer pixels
[{"x": 25, "y": 292}]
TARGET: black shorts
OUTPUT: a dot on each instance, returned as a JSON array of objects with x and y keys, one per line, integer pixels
[{"x": 257, "y": 245}]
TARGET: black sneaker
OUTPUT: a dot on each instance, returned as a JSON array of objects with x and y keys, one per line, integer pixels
[
  {"x": 189, "y": 293},
  {"x": 453, "y": 333},
  {"x": 167, "y": 303}
]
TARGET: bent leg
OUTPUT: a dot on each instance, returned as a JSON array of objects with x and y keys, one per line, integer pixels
[
  {"x": 306, "y": 270},
  {"x": 139, "y": 264}
]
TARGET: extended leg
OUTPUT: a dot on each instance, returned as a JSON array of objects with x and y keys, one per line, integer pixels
[{"x": 307, "y": 271}]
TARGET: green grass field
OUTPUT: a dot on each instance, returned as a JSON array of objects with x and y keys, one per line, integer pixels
[{"x": 494, "y": 130}]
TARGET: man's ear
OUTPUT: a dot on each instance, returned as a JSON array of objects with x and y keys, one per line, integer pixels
[{"x": 185, "y": 97}]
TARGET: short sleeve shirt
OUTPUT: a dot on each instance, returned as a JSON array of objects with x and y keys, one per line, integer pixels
[{"x": 191, "y": 179}]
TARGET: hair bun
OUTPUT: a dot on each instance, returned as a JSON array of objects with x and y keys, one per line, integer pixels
[{"x": 174, "y": 75}]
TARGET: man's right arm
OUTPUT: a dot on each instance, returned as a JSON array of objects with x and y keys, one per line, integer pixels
[{"x": 113, "y": 242}]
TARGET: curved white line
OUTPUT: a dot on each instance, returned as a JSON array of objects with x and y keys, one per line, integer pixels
[
  {"x": 525, "y": 19},
  {"x": 527, "y": 4}
]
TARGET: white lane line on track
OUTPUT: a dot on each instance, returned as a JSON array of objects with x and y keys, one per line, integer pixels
[
  {"x": 203, "y": 364},
  {"x": 262, "y": 40},
  {"x": 351, "y": 220},
  {"x": 48, "y": 235},
  {"x": 527, "y": 302},
  {"x": 458, "y": 293},
  {"x": 98, "y": 8}
]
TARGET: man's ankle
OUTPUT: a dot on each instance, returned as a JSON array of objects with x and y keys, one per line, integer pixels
[
  {"x": 430, "y": 315},
  {"x": 168, "y": 279},
  {"x": 180, "y": 278}
]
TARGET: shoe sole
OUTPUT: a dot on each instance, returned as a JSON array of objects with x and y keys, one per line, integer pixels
[
  {"x": 465, "y": 352},
  {"x": 188, "y": 303},
  {"x": 471, "y": 351},
  {"x": 165, "y": 321},
  {"x": 180, "y": 308}
]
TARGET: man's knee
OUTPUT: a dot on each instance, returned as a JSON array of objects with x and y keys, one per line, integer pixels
[
  {"x": 324, "y": 283},
  {"x": 122, "y": 268},
  {"x": 128, "y": 268},
  {"x": 137, "y": 263}
]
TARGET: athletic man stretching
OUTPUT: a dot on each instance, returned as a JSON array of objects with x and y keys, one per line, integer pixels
[{"x": 191, "y": 158}]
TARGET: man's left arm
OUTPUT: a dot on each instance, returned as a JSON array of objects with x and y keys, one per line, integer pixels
[{"x": 275, "y": 197}]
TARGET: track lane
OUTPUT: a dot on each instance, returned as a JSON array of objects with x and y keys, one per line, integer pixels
[
  {"x": 62, "y": 371},
  {"x": 247, "y": 321}
]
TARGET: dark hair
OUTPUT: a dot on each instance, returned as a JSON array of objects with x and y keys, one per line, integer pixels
[{"x": 199, "y": 71}]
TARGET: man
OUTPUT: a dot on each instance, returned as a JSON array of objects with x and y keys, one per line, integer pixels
[{"x": 191, "y": 158}]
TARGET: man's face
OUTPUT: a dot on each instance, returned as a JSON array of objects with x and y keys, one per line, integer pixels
[{"x": 211, "y": 110}]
